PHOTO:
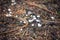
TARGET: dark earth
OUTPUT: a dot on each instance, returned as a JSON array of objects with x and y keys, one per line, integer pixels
[{"x": 29, "y": 19}]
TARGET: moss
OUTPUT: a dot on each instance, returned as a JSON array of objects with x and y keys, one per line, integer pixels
[{"x": 58, "y": 12}]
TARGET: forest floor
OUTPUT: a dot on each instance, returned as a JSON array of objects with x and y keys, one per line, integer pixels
[{"x": 30, "y": 20}]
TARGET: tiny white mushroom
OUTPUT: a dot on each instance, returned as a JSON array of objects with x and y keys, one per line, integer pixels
[
  {"x": 14, "y": 3},
  {"x": 16, "y": 16},
  {"x": 9, "y": 9},
  {"x": 21, "y": 29},
  {"x": 4, "y": 10},
  {"x": 12, "y": 0},
  {"x": 10, "y": 12},
  {"x": 24, "y": 22},
  {"x": 37, "y": 20},
  {"x": 26, "y": 14},
  {"x": 31, "y": 16},
  {"x": 15, "y": 37},
  {"x": 29, "y": 12},
  {"x": 39, "y": 25},
  {"x": 32, "y": 24},
  {"x": 8, "y": 15},
  {"x": 21, "y": 21},
  {"x": 30, "y": 20},
  {"x": 38, "y": 15},
  {"x": 52, "y": 18},
  {"x": 34, "y": 17}
]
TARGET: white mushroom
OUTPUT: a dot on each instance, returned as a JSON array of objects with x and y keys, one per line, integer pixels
[
  {"x": 16, "y": 16},
  {"x": 10, "y": 12},
  {"x": 34, "y": 17},
  {"x": 52, "y": 18},
  {"x": 32, "y": 24},
  {"x": 21, "y": 29},
  {"x": 39, "y": 25},
  {"x": 24, "y": 22},
  {"x": 29, "y": 12},
  {"x": 37, "y": 20},
  {"x": 38, "y": 15},
  {"x": 26, "y": 14},
  {"x": 21, "y": 21},
  {"x": 8, "y": 15},
  {"x": 12, "y": 0},
  {"x": 13, "y": 3},
  {"x": 9, "y": 9},
  {"x": 30, "y": 20}
]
